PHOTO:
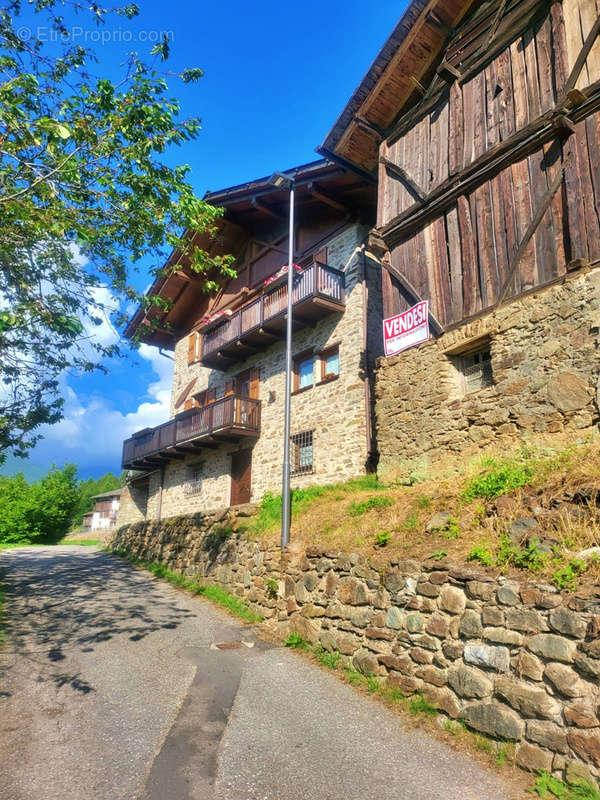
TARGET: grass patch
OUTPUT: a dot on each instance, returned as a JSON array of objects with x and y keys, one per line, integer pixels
[
  {"x": 326, "y": 658},
  {"x": 269, "y": 515},
  {"x": 499, "y": 477},
  {"x": 548, "y": 786},
  {"x": 86, "y": 542},
  {"x": 361, "y": 507},
  {"x": 235, "y": 605},
  {"x": 418, "y": 705}
]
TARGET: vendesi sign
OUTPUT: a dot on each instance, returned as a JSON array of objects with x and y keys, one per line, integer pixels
[{"x": 407, "y": 329}]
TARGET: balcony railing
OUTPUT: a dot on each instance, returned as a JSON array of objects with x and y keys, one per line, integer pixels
[
  {"x": 226, "y": 419},
  {"x": 318, "y": 290}
]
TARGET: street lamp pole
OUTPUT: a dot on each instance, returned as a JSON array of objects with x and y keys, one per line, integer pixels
[
  {"x": 280, "y": 180},
  {"x": 286, "y": 511}
]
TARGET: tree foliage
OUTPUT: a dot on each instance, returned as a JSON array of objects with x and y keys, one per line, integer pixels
[
  {"x": 40, "y": 511},
  {"x": 85, "y": 194}
]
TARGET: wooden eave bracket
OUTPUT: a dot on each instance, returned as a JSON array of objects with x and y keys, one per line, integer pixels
[
  {"x": 448, "y": 73},
  {"x": 259, "y": 206},
  {"x": 400, "y": 174},
  {"x": 368, "y": 126},
  {"x": 319, "y": 194}
]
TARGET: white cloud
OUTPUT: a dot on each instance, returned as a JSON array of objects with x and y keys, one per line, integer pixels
[{"x": 92, "y": 432}]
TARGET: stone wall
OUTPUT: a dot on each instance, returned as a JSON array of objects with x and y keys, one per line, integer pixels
[
  {"x": 515, "y": 661},
  {"x": 545, "y": 365},
  {"x": 334, "y": 410}
]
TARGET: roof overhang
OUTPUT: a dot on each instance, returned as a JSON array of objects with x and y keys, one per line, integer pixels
[
  {"x": 250, "y": 208},
  {"x": 392, "y": 82}
]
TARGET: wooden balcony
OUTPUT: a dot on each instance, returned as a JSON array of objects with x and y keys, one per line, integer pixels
[
  {"x": 318, "y": 291},
  {"x": 228, "y": 419}
]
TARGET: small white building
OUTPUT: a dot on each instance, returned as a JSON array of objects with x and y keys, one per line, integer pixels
[{"x": 104, "y": 513}]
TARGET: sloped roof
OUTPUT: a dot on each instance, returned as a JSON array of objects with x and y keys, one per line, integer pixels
[{"x": 390, "y": 83}]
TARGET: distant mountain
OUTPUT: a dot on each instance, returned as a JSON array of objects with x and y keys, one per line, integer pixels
[{"x": 31, "y": 471}]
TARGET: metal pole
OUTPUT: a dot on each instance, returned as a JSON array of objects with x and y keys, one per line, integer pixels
[{"x": 285, "y": 490}]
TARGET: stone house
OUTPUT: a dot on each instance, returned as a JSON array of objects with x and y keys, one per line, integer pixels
[
  {"x": 223, "y": 442},
  {"x": 104, "y": 513},
  {"x": 480, "y": 123}
]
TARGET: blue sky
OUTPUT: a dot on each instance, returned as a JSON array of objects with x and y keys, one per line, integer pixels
[{"x": 277, "y": 74}]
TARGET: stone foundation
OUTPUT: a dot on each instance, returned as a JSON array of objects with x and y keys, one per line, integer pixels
[
  {"x": 545, "y": 365},
  {"x": 515, "y": 661}
]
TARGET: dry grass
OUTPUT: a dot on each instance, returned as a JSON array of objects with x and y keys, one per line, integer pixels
[{"x": 329, "y": 519}]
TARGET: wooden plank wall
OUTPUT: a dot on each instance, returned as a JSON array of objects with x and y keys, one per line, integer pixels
[{"x": 460, "y": 261}]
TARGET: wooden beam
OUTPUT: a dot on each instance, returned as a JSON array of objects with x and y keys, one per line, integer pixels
[
  {"x": 435, "y": 21},
  {"x": 537, "y": 218},
  {"x": 448, "y": 73},
  {"x": 516, "y": 147},
  {"x": 581, "y": 58},
  {"x": 563, "y": 125},
  {"x": 281, "y": 250},
  {"x": 320, "y": 194},
  {"x": 437, "y": 326},
  {"x": 368, "y": 126},
  {"x": 495, "y": 23},
  {"x": 400, "y": 174},
  {"x": 260, "y": 206}
]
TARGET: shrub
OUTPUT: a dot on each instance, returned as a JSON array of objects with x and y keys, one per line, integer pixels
[
  {"x": 566, "y": 577},
  {"x": 296, "y": 642},
  {"x": 361, "y": 507},
  {"x": 498, "y": 478},
  {"x": 382, "y": 538},
  {"x": 483, "y": 554}
]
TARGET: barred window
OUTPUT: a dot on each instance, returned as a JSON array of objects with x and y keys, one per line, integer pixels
[
  {"x": 193, "y": 485},
  {"x": 476, "y": 368},
  {"x": 302, "y": 453}
]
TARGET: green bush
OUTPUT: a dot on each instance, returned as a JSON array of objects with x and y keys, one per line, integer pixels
[
  {"x": 296, "y": 642},
  {"x": 548, "y": 786},
  {"x": 382, "y": 538},
  {"x": 498, "y": 478},
  {"x": 566, "y": 577},
  {"x": 361, "y": 507},
  {"x": 483, "y": 554},
  {"x": 41, "y": 511}
]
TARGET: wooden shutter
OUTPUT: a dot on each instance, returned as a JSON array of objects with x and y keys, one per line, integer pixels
[
  {"x": 254, "y": 382},
  {"x": 189, "y": 403},
  {"x": 201, "y": 399},
  {"x": 185, "y": 393},
  {"x": 211, "y": 396},
  {"x": 229, "y": 387},
  {"x": 192, "y": 347}
]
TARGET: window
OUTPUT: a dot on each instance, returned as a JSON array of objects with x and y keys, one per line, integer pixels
[
  {"x": 194, "y": 483},
  {"x": 302, "y": 453},
  {"x": 303, "y": 371},
  {"x": 330, "y": 363},
  {"x": 476, "y": 369}
]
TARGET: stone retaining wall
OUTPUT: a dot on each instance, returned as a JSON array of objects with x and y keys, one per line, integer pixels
[{"x": 515, "y": 661}]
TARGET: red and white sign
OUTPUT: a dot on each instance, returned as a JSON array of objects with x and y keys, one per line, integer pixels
[{"x": 407, "y": 329}]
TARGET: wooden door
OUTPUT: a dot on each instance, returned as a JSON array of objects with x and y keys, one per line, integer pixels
[{"x": 241, "y": 470}]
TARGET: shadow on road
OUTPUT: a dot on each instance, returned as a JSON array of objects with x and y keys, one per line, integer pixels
[{"x": 59, "y": 602}]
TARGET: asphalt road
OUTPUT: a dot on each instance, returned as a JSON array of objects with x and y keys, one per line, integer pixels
[{"x": 111, "y": 686}]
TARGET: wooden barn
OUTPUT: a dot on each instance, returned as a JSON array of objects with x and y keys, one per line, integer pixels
[{"x": 480, "y": 123}]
